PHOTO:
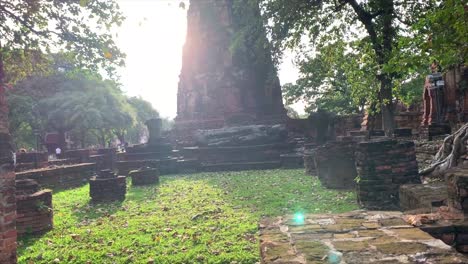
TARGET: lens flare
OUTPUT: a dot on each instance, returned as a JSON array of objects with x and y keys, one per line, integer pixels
[{"x": 299, "y": 218}]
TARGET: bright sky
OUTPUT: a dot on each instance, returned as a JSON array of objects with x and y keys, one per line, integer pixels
[{"x": 152, "y": 36}]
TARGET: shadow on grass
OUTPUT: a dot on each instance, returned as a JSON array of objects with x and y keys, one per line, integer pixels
[{"x": 274, "y": 192}]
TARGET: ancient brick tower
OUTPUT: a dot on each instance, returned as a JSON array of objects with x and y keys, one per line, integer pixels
[{"x": 227, "y": 69}]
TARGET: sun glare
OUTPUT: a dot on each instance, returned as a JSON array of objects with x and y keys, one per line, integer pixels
[{"x": 152, "y": 36}]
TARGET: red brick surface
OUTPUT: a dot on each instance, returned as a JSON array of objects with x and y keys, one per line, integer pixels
[{"x": 7, "y": 217}]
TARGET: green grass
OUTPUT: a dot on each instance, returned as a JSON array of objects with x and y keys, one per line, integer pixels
[{"x": 198, "y": 218}]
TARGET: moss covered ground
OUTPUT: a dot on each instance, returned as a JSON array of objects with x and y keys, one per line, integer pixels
[{"x": 196, "y": 218}]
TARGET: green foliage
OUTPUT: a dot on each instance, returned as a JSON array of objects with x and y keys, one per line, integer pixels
[
  {"x": 446, "y": 32},
  {"x": 21, "y": 119},
  {"x": 291, "y": 112},
  {"x": 31, "y": 29},
  {"x": 334, "y": 80},
  {"x": 197, "y": 218},
  {"x": 144, "y": 111},
  {"x": 80, "y": 103},
  {"x": 379, "y": 50}
]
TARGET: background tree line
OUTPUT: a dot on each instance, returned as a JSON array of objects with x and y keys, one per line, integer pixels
[{"x": 92, "y": 110}]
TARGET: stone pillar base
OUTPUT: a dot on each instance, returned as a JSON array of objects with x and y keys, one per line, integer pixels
[{"x": 383, "y": 166}]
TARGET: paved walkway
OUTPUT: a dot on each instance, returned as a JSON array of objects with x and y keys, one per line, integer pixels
[{"x": 356, "y": 237}]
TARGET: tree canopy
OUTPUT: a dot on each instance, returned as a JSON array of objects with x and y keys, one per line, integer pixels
[
  {"x": 30, "y": 29},
  {"x": 93, "y": 110},
  {"x": 377, "y": 49}
]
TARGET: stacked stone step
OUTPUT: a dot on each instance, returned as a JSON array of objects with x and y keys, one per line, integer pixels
[
  {"x": 107, "y": 187},
  {"x": 431, "y": 131},
  {"x": 62, "y": 177},
  {"x": 403, "y": 132},
  {"x": 165, "y": 166},
  {"x": 188, "y": 166},
  {"x": 77, "y": 155},
  {"x": 334, "y": 162},
  {"x": 144, "y": 176},
  {"x": 31, "y": 160},
  {"x": 292, "y": 161},
  {"x": 33, "y": 208},
  {"x": 423, "y": 197},
  {"x": 457, "y": 187},
  {"x": 382, "y": 166}
]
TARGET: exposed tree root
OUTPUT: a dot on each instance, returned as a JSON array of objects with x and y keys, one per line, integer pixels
[{"x": 448, "y": 156}]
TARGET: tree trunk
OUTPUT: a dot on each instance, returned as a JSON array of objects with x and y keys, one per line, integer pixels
[{"x": 386, "y": 105}]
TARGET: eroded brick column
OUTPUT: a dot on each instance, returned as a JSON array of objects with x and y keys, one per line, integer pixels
[
  {"x": 383, "y": 166},
  {"x": 7, "y": 202}
]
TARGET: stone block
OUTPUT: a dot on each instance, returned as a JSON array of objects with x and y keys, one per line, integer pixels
[
  {"x": 309, "y": 164},
  {"x": 424, "y": 197},
  {"x": 334, "y": 162},
  {"x": 144, "y": 176},
  {"x": 107, "y": 188},
  {"x": 457, "y": 187}
]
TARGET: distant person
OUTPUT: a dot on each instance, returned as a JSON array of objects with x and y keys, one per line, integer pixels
[{"x": 58, "y": 151}]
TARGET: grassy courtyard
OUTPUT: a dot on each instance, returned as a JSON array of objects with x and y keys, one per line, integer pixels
[{"x": 199, "y": 218}]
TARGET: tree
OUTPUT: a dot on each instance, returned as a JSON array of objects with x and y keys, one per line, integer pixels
[
  {"x": 36, "y": 27},
  {"x": 80, "y": 103},
  {"x": 29, "y": 30},
  {"x": 375, "y": 25},
  {"x": 144, "y": 111},
  {"x": 332, "y": 80},
  {"x": 88, "y": 105},
  {"x": 292, "y": 113},
  {"x": 443, "y": 32}
]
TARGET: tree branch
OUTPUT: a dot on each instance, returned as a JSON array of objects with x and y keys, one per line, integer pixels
[
  {"x": 23, "y": 22},
  {"x": 366, "y": 19}
]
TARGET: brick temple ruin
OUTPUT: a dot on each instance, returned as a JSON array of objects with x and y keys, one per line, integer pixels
[
  {"x": 230, "y": 116},
  {"x": 218, "y": 86}
]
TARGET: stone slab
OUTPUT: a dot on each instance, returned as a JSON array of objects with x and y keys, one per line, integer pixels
[{"x": 354, "y": 237}]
